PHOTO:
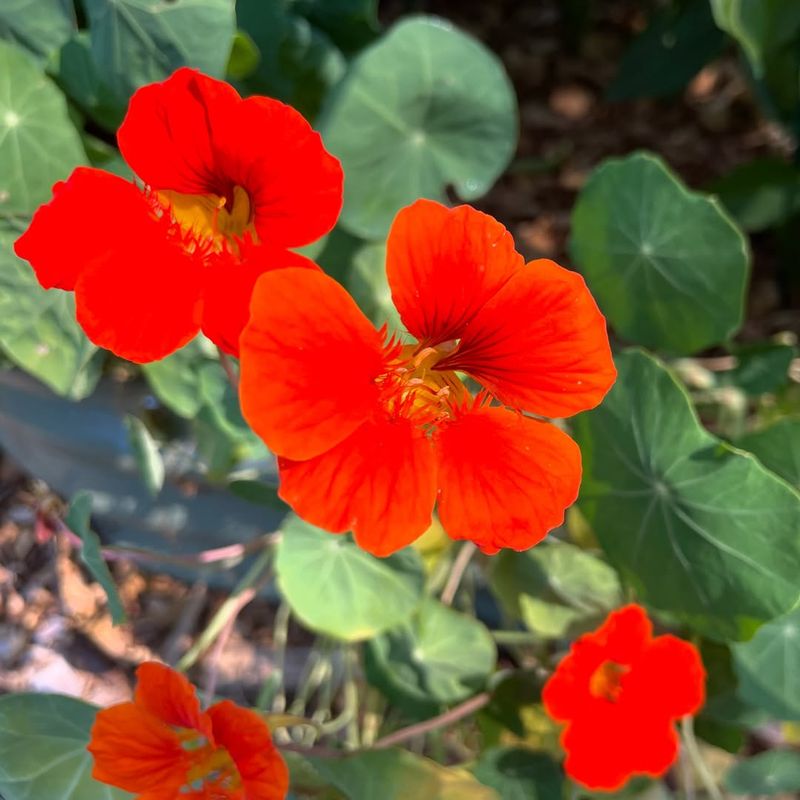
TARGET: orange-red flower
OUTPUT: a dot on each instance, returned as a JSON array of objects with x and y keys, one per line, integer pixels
[
  {"x": 162, "y": 746},
  {"x": 619, "y": 691},
  {"x": 229, "y": 185},
  {"x": 369, "y": 433}
]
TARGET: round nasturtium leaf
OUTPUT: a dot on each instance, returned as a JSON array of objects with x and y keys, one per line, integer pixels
[
  {"x": 701, "y": 530},
  {"x": 667, "y": 265},
  {"x": 38, "y": 143},
  {"x": 40, "y": 26},
  {"x": 518, "y": 773},
  {"x": 772, "y": 772},
  {"x": 439, "y": 656},
  {"x": 423, "y": 108},
  {"x": 38, "y": 331},
  {"x": 43, "y": 753},
  {"x": 768, "y": 665},
  {"x": 337, "y": 588}
]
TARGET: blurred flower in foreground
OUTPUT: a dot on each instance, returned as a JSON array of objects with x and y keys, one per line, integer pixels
[
  {"x": 369, "y": 433},
  {"x": 229, "y": 185},
  {"x": 163, "y": 747},
  {"x": 619, "y": 691}
]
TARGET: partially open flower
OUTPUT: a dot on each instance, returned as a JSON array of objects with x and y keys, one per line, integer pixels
[
  {"x": 229, "y": 185},
  {"x": 162, "y": 746},
  {"x": 370, "y": 432},
  {"x": 620, "y": 691}
]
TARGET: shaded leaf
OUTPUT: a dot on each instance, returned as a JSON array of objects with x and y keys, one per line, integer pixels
[
  {"x": 519, "y": 774},
  {"x": 78, "y": 521},
  {"x": 769, "y": 773},
  {"x": 147, "y": 454},
  {"x": 699, "y": 529},
  {"x": 777, "y": 448},
  {"x": 40, "y": 26}
]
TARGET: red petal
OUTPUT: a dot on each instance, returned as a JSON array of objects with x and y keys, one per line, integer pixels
[
  {"x": 444, "y": 265},
  {"x": 605, "y": 749},
  {"x": 136, "y": 751},
  {"x": 167, "y": 694},
  {"x": 504, "y": 479},
  {"x": 167, "y": 136},
  {"x": 670, "y": 676},
  {"x": 91, "y": 212},
  {"x": 380, "y": 483},
  {"x": 142, "y": 300},
  {"x": 195, "y": 135},
  {"x": 294, "y": 183},
  {"x": 229, "y": 282},
  {"x": 309, "y": 359},
  {"x": 247, "y": 738},
  {"x": 539, "y": 344}
]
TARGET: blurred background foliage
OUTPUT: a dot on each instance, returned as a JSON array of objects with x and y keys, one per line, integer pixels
[{"x": 650, "y": 145}]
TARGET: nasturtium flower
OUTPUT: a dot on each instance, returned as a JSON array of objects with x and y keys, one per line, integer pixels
[
  {"x": 228, "y": 184},
  {"x": 620, "y": 691},
  {"x": 162, "y": 746},
  {"x": 371, "y": 432}
]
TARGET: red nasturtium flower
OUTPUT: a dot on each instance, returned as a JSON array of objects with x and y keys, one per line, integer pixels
[
  {"x": 620, "y": 691},
  {"x": 228, "y": 185},
  {"x": 369, "y": 433},
  {"x": 162, "y": 746}
]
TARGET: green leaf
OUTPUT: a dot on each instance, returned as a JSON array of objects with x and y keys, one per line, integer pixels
[
  {"x": 425, "y": 107},
  {"x": 76, "y": 73},
  {"x": 399, "y": 775},
  {"x": 258, "y": 493},
  {"x": 135, "y": 42},
  {"x": 761, "y": 368},
  {"x": 777, "y": 448},
  {"x": 519, "y": 774},
  {"x": 244, "y": 57},
  {"x": 768, "y": 665},
  {"x": 701, "y": 530},
  {"x": 350, "y": 23},
  {"x": 40, "y": 26},
  {"x": 176, "y": 378},
  {"x": 78, "y": 521},
  {"x": 667, "y": 266},
  {"x": 147, "y": 454},
  {"x": 677, "y": 43},
  {"x": 557, "y": 589},
  {"x": 298, "y": 63},
  {"x": 38, "y": 143},
  {"x": 38, "y": 330},
  {"x": 440, "y": 656},
  {"x": 769, "y": 773},
  {"x": 760, "y": 194},
  {"x": 352, "y": 595},
  {"x": 43, "y": 753},
  {"x": 369, "y": 287}
]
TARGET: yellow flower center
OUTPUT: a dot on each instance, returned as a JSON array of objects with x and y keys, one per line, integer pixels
[
  {"x": 414, "y": 389},
  {"x": 606, "y": 681},
  {"x": 211, "y": 218},
  {"x": 212, "y": 768}
]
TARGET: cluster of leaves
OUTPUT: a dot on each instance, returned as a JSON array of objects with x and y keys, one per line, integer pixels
[{"x": 689, "y": 501}]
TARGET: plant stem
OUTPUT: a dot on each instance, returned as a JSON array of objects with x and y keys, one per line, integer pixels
[
  {"x": 230, "y": 371},
  {"x": 272, "y": 692},
  {"x": 460, "y": 564},
  {"x": 442, "y": 721},
  {"x": 696, "y": 758},
  {"x": 242, "y": 594},
  {"x": 515, "y": 637}
]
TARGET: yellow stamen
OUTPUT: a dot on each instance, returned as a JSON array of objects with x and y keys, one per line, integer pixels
[{"x": 606, "y": 681}]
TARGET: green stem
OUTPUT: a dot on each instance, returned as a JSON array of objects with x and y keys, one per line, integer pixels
[
  {"x": 696, "y": 758},
  {"x": 515, "y": 637},
  {"x": 232, "y": 606},
  {"x": 272, "y": 692}
]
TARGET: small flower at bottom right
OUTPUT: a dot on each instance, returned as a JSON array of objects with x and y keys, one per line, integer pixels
[{"x": 619, "y": 692}]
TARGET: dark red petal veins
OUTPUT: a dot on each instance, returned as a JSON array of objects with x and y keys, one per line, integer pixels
[
  {"x": 539, "y": 344},
  {"x": 445, "y": 264}
]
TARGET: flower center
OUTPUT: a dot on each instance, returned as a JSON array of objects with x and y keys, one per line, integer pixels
[
  {"x": 210, "y": 219},
  {"x": 212, "y": 769},
  {"x": 606, "y": 681},
  {"x": 412, "y": 388}
]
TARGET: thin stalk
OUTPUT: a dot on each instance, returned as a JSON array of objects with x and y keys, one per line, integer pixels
[
  {"x": 272, "y": 691},
  {"x": 696, "y": 758},
  {"x": 229, "y": 609},
  {"x": 460, "y": 564}
]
